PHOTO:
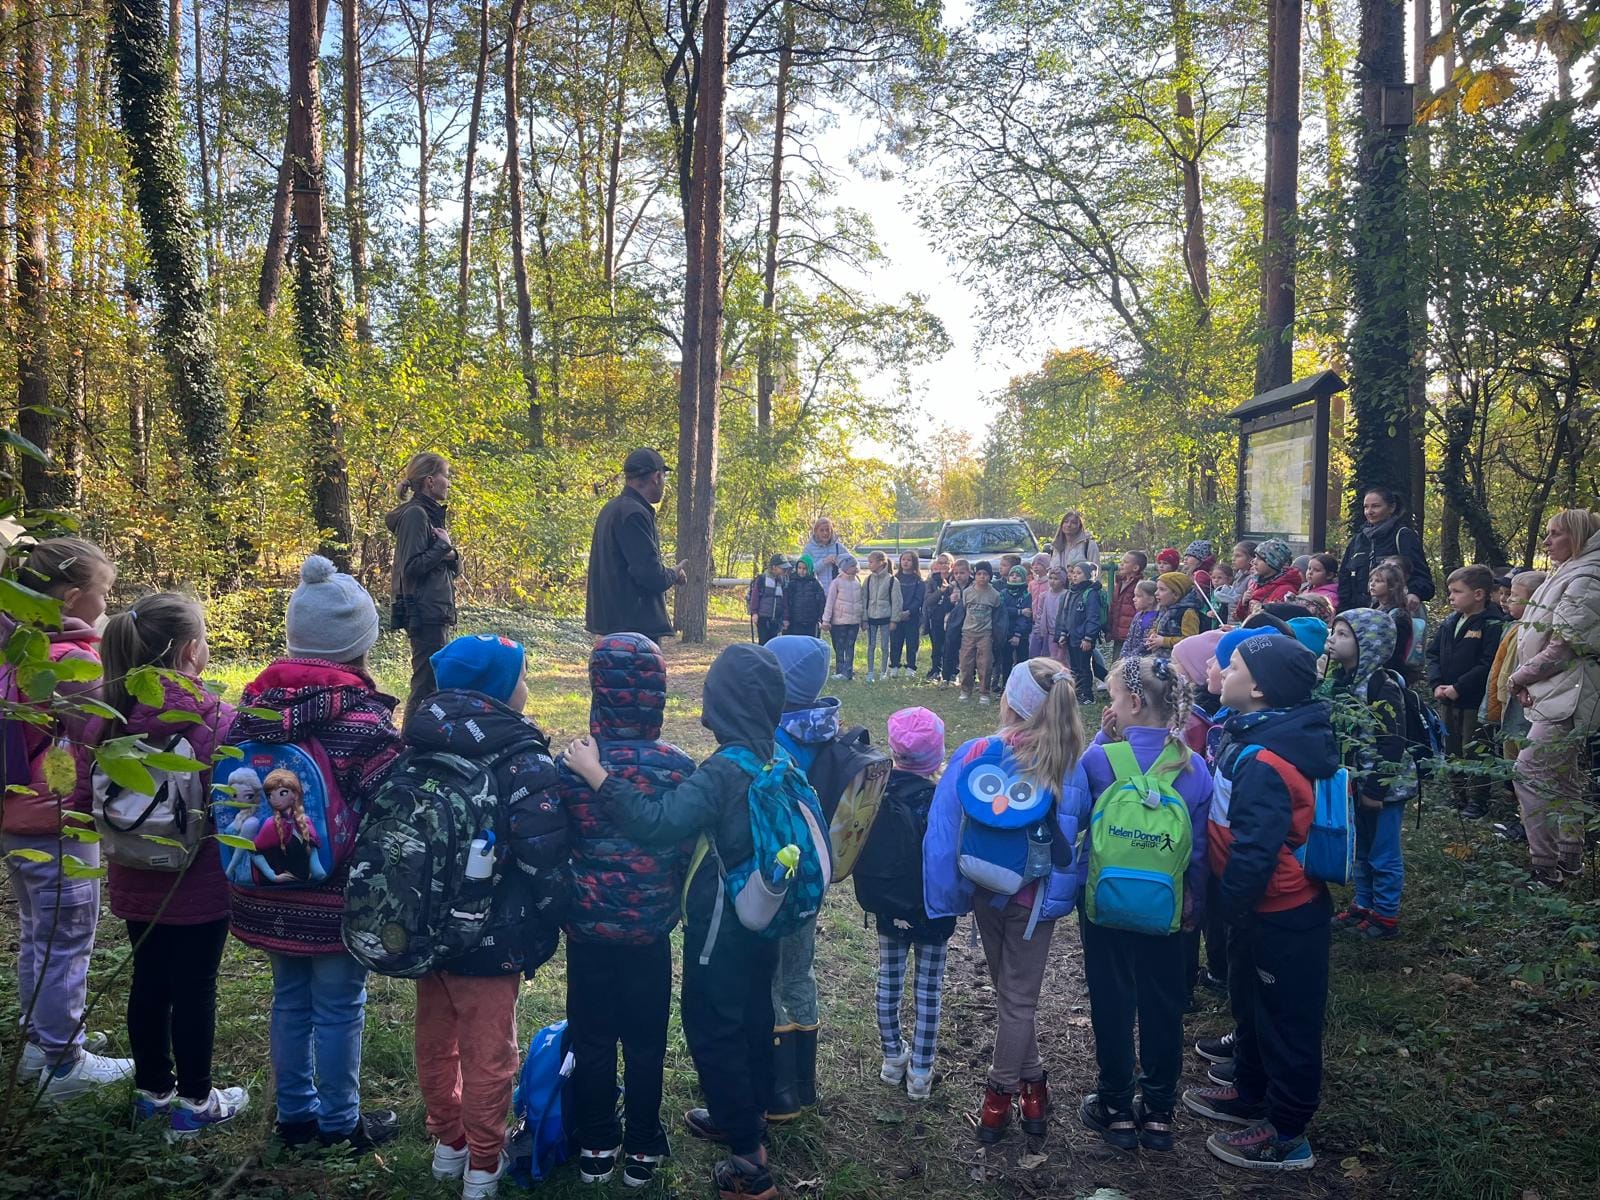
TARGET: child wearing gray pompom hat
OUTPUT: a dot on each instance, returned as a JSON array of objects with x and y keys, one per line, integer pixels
[{"x": 331, "y": 616}]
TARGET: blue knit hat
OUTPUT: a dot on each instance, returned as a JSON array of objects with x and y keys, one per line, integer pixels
[
  {"x": 1230, "y": 642},
  {"x": 480, "y": 662},
  {"x": 805, "y": 667},
  {"x": 1310, "y": 632}
]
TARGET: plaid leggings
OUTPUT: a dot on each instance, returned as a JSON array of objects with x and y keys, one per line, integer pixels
[{"x": 892, "y": 955}]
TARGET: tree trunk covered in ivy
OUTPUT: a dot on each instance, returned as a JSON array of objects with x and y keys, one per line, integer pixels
[
  {"x": 35, "y": 418},
  {"x": 139, "y": 45},
  {"x": 1380, "y": 342},
  {"x": 1275, "y": 355},
  {"x": 317, "y": 320}
]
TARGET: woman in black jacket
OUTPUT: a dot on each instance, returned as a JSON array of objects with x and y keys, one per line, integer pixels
[
  {"x": 1385, "y": 535},
  {"x": 426, "y": 564}
]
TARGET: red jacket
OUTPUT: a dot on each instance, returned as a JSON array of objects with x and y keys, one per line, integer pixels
[
  {"x": 1282, "y": 586},
  {"x": 1121, "y": 615}
]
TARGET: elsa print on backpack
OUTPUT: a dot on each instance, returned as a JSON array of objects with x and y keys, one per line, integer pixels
[{"x": 298, "y": 824}]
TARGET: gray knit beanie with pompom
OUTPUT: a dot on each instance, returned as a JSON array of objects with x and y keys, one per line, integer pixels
[{"x": 331, "y": 616}]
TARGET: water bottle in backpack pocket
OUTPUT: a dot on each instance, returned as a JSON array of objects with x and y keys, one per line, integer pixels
[
  {"x": 283, "y": 798},
  {"x": 1008, "y": 838},
  {"x": 159, "y": 829},
  {"x": 1140, "y": 838}
]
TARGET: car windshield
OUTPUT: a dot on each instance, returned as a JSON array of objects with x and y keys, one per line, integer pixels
[{"x": 996, "y": 537}]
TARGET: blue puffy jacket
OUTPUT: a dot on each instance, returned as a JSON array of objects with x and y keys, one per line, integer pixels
[{"x": 948, "y": 893}]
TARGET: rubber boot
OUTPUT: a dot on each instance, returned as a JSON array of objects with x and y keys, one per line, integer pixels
[
  {"x": 1035, "y": 1105},
  {"x": 805, "y": 1066},
  {"x": 785, "y": 1104},
  {"x": 995, "y": 1114}
]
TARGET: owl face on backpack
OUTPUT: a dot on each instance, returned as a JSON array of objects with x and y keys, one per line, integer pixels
[
  {"x": 1012, "y": 799},
  {"x": 1007, "y": 822}
]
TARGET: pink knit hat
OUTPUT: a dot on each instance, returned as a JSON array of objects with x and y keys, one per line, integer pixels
[
  {"x": 916, "y": 740},
  {"x": 1192, "y": 654}
]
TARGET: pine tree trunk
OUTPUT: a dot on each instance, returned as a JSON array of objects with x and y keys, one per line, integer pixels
[
  {"x": 314, "y": 304},
  {"x": 519, "y": 257},
  {"x": 355, "y": 197},
  {"x": 277, "y": 248},
  {"x": 184, "y": 331},
  {"x": 766, "y": 363},
  {"x": 40, "y": 483},
  {"x": 1275, "y": 356},
  {"x": 691, "y": 174},
  {"x": 464, "y": 267}
]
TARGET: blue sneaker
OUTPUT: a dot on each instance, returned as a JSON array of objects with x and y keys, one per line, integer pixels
[
  {"x": 190, "y": 1119},
  {"x": 149, "y": 1105},
  {"x": 1259, "y": 1148}
]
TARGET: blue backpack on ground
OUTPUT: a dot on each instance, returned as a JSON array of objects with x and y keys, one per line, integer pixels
[
  {"x": 542, "y": 1138},
  {"x": 1329, "y": 851},
  {"x": 780, "y": 886},
  {"x": 1007, "y": 825}
]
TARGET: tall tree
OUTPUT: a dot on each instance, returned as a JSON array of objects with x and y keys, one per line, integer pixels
[
  {"x": 35, "y": 417},
  {"x": 464, "y": 266},
  {"x": 208, "y": 204},
  {"x": 317, "y": 319},
  {"x": 519, "y": 256},
  {"x": 420, "y": 27},
  {"x": 1275, "y": 357},
  {"x": 1421, "y": 171},
  {"x": 1196, "y": 256},
  {"x": 355, "y": 196},
  {"x": 766, "y": 367},
  {"x": 277, "y": 248}
]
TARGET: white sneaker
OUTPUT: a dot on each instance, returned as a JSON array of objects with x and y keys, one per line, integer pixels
[
  {"x": 448, "y": 1162},
  {"x": 34, "y": 1060},
  {"x": 894, "y": 1069},
  {"x": 871, "y": 678},
  {"x": 482, "y": 1185},
  {"x": 983, "y": 700},
  {"x": 90, "y": 1073},
  {"x": 597, "y": 1166},
  {"x": 222, "y": 1106},
  {"x": 963, "y": 698},
  {"x": 147, "y": 1106},
  {"x": 919, "y": 1084},
  {"x": 837, "y": 675}
]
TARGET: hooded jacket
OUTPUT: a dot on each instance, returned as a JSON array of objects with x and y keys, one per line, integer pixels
[
  {"x": 1193, "y": 785},
  {"x": 1016, "y": 607},
  {"x": 201, "y": 894},
  {"x": 624, "y": 892},
  {"x": 1256, "y": 821},
  {"x": 628, "y": 582},
  {"x": 518, "y": 937},
  {"x": 1393, "y": 538},
  {"x": 36, "y": 813},
  {"x": 806, "y": 601},
  {"x": 743, "y": 701},
  {"x": 340, "y": 707},
  {"x": 913, "y": 591},
  {"x": 1558, "y": 643},
  {"x": 1375, "y": 749},
  {"x": 1120, "y": 617},
  {"x": 1083, "y": 613},
  {"x": 1283, "y": 586},
  {"x": 425, "y": 565}
]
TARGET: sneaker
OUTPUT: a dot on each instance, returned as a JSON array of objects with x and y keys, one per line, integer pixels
[
  {"x": 698, "y": 1121},
  {"x": 190, "y": 1119},
  {"x": 296, "y": 1133},
  {"x": 147, "y": 1106},
  {"x": 371, "y": 1130},
  {"x": 597, "y": 1166},
  {"x": 837, "y": 675},
  {"x": 871, "y": 678},
  {"x": 1212, "y": 982},
  {"x": 450, "y": 1162},
  {"x": 740, "y": 1179},
  {"x": 1117, "y": 1128},
  {"x": 965, "y": 696},
  {"x": 640, "y": 1169},
  {"x": 894, "y": 1067},
  {"x": 919, "y": 1084},
  {"x": 984, "y": 700},
  {"x": 483, "y": 1185},
  {"x": 1378, "y": 929},
  {"x": 1217, "y": 1049},
  {"x": 1510, "y": 831},
  {"x": 89, "y": 1073},
  {"x": 1348, "y": 919},
  {"x": 34, "y": 1060},
  {"x": 1222, "y": 1073},
  {"x": 1155, "y": 1127},
  {"x": 1223, "y": 1104},
  {"x": 1259, "y": 1148}
]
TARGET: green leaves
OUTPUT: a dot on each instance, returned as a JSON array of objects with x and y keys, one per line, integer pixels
[
  {"x": 236, "y": 842},
  {"x": 27, "y": 605},
  {"x": 119, "y": 760}
]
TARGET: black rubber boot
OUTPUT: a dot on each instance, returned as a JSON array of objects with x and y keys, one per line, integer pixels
[
  {"x": 805, "y": 1066},
  {"x": 785, "y": 1104}
]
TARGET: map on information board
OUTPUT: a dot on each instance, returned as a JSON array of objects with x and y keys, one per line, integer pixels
[{"x": 1280, "y": 480}]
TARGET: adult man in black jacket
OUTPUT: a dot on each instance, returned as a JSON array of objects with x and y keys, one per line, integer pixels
[{"x": 628, "y": 582}]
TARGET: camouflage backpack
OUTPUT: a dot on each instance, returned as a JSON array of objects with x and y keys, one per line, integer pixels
[{"x": 409, "y": 904}]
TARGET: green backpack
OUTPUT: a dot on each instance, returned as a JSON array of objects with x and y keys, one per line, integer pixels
[{"x": 1139, "y": 844}]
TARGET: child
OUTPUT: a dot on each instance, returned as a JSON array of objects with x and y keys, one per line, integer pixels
[
  {"x": 57, "y": 914},
  {"x": 916, "y": 740},
  {"x": 1243, "y": 558},
  {"x": 842, "y": 617},
  {"x": 1038, "y": 588},
  {"x": 1013, "y": 634},
  {"x": 1197, "y": 563},
  {"x": 1275, "y": 578},
  {"x": 619, "y": 948},
  {"x": 937, "y": 604},
  {"x": 1194, "y": 658},
  {"x": 766, "y": 601},
  {"x": 1459, "y": 658},
  {"x": 980, "y": 603},
  {"x": 1041, "y": 739},
  {"x": 955, "y": 618},
  {"x": 1143, "y": 620},
  {"x": 726, "y": 1003},
  {"x": 321, "y": 693},
  {"x": 1278, "y": 916},
  {"x": 177, "y": 922},
  {"x": 1386, "y": 584},
  {"x": 1178, "y": 608},
  {"x": 1322, "y": 578},
  {"x": 1123, "y": 601},
  {"x": 805, "y": 599},
  {"x": 1050, "y": 615},
  {"x": 466, "y": 1042},
  {"x": 1169, "y": 560},
  {"x": 1083, "y": 621},
  {"x": 881, "y": 604},
  {"x": 1224, "y": 593},
  {"x": 1130, "y": 972},
  {"x": 905, "y": 635}
]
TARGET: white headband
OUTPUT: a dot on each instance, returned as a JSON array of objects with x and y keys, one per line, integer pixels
[{"x": 1023, "y": 692}]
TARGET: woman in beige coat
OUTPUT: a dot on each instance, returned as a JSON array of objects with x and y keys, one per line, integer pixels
[{"x": 1558, "y": 685}]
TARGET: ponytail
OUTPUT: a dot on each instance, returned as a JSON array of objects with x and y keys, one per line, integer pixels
[
  {"x": 1048, "y": 743},
  {"x": 418, "y": 468},
  {"x": 149, "y": 634}
]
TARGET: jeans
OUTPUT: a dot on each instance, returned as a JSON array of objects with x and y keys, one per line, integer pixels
[
  {"x": 794, "y": 983},
  {"x": 892, "y": 955},
  {"x": 1016, "y": 968},
  {"x": 768, "y": 628},
  {"x": 619, "y": 993},
  {"x": 878, "y": 645},
  {"x": 1135, "y": 973},
  {"x": 844, "y": 649},
  {"x": 467, "y": 1055},
  {"x": 426, "y": 641},
  {"x": 319, "y": 1007},
  {"x": 56, "y": 918},
  {"x": 1380, "y": 870},
  {"x": 904, "y": 641},
  {"x": 172, "y": 1005}
]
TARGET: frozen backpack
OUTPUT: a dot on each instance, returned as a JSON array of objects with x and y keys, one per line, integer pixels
[
  {"x": 780, "y": 886},
  {"x": 543, "y": 1136},
  {"x": 1329, "y": 851},
  {"x": 1139, "y": 844},
  {"x": 301, "y": 841},
  {"x": 1008, "y": 836},
  {"x": 849, "y": 777}
]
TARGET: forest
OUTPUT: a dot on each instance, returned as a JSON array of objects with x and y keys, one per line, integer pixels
[{"x": 255, "y": 255}]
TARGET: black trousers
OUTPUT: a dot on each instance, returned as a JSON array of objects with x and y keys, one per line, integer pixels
[
  {"x": 1278, "y": 986},
  {"x": 844, "y": 649},
  {"x": 727, "y": 1020},
  {"x": 426, "y": 641},
  {"x": 1215, "y": 928},
  {"x": 811, "y": 630},
  {"x": 1128, "y": 974},
  {"x": 952, "y": 655},
  {"x": 936, "y": 650},
  {"x": 905, "y": 639},
  {"x": 619, "y": 993},
  {"x": 172, "y": 1005},
  {"x": 768, "y": 628}
]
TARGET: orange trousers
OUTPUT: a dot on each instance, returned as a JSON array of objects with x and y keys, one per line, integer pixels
[{"x": 467, "y": 1052}]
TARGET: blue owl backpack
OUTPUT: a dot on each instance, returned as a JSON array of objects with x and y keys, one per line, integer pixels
[{"x": 1007, "y": 825}]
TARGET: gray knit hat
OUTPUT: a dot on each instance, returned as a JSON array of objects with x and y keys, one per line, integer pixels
[{"x": 331, "y": 616}]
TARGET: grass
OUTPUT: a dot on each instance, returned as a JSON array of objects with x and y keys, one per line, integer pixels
[{"x": 1461, "y": 1059}]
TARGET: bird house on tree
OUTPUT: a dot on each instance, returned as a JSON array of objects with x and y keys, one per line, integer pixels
[{"x": 1287, "y": 481}]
